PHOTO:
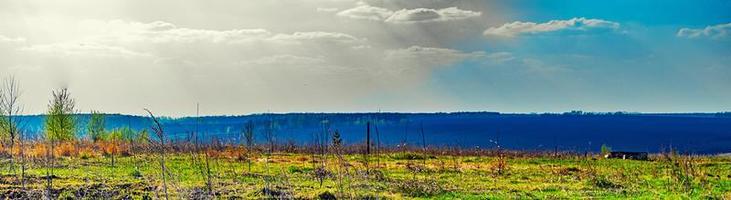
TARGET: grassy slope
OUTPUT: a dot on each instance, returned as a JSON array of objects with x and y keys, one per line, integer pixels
[{"x": 445, "y": 178}]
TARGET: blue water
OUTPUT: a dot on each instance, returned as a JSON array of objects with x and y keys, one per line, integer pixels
[{"x": 688, "y": 133}]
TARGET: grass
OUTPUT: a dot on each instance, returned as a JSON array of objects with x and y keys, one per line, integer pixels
[{"x": 293, "y": 176}]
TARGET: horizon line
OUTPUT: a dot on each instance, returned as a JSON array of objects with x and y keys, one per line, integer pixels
[{"x": 572, "y": 112}]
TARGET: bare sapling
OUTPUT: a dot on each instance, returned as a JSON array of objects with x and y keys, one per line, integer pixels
[
  {"x": 367, "y": 152},
  {"x": 269, "y": 136},
  {"x": 209, "y": 179},
  {"x": 249, "y": 137},
  {"x": 501, "y": 164},
  {"x": 337, "y": 144},
  {"x": 322, "y": 143},
  {"x": 378, "y": 147},
  {"x": 10, "y": 109},
  {"x": 159, "y": 132},
  {"x": 423, "y": 145}
]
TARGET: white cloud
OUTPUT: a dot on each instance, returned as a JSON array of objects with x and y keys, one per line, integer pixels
[
  {"x": 83, "y": 49},
  {"x": 327, "y": 10},
  {"x": 330, "y": 37},
  {"x": 166, "y": 40},
  {"x": 500, "y": 57},
  {"x": 430, "y": 15},
  {"x": 575, "y": 24},
  {"x": 5, "y": 39},
  {"x": 716, "y": 32},
  {"x": 403, "y": 16},
  {"x": 164, "y": 32},
  {"x": 367, "y": 12},
  {"x": 286, "y": 60}
]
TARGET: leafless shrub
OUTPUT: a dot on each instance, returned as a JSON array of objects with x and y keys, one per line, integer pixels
[{"x": 161, "y": 146}]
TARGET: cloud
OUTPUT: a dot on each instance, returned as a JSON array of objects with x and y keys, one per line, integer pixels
[
  {"x": 500, "y": 57},
  {"x": 327, "y": 10},
  {"x": 164, "y": 32},
  {"x": 5, "y": 39},
  {"x": 198, "y": 62},
  {"x": 406, "y": 16},
  {"x": 286, "y": 60},
  {"x": 575, "y": 24},
  {"x": 431, "y": 15},
  {"x": 719, "y": 31},
  {"x": 118, "y": 38},
  {"x": 431, "y": 56},
  {"x": 366, "y": 12},
  {"x": 86, "y": 49},
  {"x": 330, "y": 37}
]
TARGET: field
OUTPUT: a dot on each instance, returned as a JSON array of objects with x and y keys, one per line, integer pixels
[{"x": 224, "y": 173}]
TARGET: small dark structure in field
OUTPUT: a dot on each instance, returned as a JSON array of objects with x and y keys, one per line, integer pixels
[{"x": 627, "y": 155}]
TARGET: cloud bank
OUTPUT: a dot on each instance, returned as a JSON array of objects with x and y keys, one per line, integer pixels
[
  {"x": 407, "y": 16},
  {"x": 719, "y": 31},
  {"x": 517, "y": 28}
]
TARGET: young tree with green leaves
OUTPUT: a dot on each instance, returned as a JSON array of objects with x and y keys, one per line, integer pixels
[
  {"x": 605, "y": 150},
  {"x": 127, "y": 134},
  {"x": 96, "y": 127},
  {"x": 143, "y": 137},
  {"x": 60, "y": 126},
  {"x": 60, "y": 120}
]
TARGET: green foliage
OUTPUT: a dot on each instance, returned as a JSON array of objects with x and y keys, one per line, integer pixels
[
  {"x": 297, "y": 169},
  {"x": 606, "y": 149},
  {"x": 410, "y": 156},
  {"x": 60, "y": 120},
  {"x": 143, "y": 137},
  {"x": 136, "y": 173},
  {"x": 115, "y": 135},
  {"x": 96, "y": 126},
  {"x": 529, "y": 178},
  {"x": 604, "y": 183},
  {"x": 127, "y": 134},
  {"x": 4, "y": 127}
]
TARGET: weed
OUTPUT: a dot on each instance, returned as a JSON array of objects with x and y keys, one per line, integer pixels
[
  {"x": 604, "y": 183},
  {"x": 410, "y": 156},
  {"x": 418, "y": 188}
]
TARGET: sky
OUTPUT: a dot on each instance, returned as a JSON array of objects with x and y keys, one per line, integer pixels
[{"x": 238, "y": 57}]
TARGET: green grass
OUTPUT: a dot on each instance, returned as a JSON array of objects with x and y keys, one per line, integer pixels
[{"x": 442, "y": 178}]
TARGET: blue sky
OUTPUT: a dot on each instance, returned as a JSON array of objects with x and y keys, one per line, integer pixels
[
  {"x": 236, "y": 57},
  {"x": 642, "y": 66}
]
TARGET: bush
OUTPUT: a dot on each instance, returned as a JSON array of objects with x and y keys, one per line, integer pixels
[
  {"x": 297, "y": 169},
  {"x": 419, "y": 188},
  {"x": 326, "y": 196},
  {"x": 136, "y": 173}
]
